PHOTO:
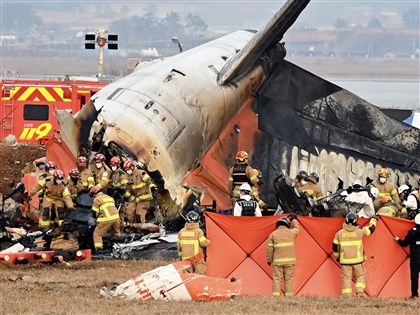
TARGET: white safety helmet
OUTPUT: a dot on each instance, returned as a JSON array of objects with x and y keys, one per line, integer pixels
[
  {"x": 357, "y": 182},
  {"x": 245, "y": 187},
  {"x": 403, "y": 188},
  {"x": 417, "y": 219}
]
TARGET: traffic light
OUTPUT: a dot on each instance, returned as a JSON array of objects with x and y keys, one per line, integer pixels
[
  {"x": 113, "y": 42},
  {"x": 90, "y": 41}
]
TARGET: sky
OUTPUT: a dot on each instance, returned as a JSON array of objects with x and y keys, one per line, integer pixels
[{"x": 231, "y": 15}]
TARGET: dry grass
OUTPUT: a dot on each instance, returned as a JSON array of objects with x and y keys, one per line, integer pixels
[{"x": 58, "y": 289}]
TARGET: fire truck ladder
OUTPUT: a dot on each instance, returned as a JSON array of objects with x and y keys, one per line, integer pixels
[{"x": 9, "y": 107}]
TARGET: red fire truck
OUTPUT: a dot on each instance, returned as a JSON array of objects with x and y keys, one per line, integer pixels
[{"x": 27, "y": 105}]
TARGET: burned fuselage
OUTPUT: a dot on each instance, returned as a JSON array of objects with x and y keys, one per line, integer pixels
[
  {"x": 182, "y": 112},
  {"x": 169, "y": 111}
]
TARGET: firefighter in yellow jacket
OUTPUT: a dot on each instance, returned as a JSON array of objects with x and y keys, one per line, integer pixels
[
  {"x": 106, "y": 216},
  {"x": 139, "y": 193},
  {"x": 348, "y": 250},
  {"x": 191, "y": 240},
  {"x": 281, "y": 254},
  {"x": 240, "y": 173},
  {"x": 100, "y": 172},
  {"x": 312, "y": 187},
  {"x": 74, "y": 183},
  {"x": 55, "y": 195},
  {"x": 85, "y": 173},
  {"x": 387, "y": 192}
]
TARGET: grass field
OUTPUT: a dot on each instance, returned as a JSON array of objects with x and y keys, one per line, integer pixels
[{"x": 74, "y": 289}]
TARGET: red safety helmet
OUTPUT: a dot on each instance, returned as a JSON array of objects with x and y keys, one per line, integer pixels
[
  {"x": 82, "y": 160},
  {"x": 129, "y": 164},
  {"x": 241, "y": 156},
  {"x": 74, "y": 173},
  {"x": 50, "y": 165},
  {"x": 115, "y": 161},
  {"x": 58, "y": 174},
  {"x": 99, "y": 158}
]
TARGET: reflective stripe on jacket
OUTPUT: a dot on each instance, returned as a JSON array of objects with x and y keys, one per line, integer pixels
[
  {"x": 105, "y": 209},
  {"x": 388, "y": 210},
  {"x": 348, "y": 244},
  {"x": 281, "y": 245},
  {"x": 191, "y": 240}
]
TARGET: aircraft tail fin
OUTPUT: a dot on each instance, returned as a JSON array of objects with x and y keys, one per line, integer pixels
[{"x": 263, "y": 40}]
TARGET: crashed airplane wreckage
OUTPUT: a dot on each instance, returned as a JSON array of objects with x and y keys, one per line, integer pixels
[
  {"x": 187, "y": 115},
  {"x": 172, "y": 283}
]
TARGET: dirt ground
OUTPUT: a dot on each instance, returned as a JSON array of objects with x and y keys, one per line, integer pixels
[
  {"x": 74, "y": 289},
  {"x": 12, "y": 159}
]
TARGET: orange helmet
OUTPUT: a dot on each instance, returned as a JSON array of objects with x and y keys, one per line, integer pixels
[
  {"x": 115, "y": 161},
  {"x": 383, "y": 172},
  {"x": 241, "y": 156}
]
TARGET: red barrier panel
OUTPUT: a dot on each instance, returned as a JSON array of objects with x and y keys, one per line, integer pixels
[{"x": 239, "y": 247}]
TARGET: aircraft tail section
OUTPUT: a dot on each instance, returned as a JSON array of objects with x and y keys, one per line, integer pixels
[{"x": 262, "y": 41}]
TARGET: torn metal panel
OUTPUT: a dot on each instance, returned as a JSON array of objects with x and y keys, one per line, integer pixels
[{"x": 307, "y": 111}]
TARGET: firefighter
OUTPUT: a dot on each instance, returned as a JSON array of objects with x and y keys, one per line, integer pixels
[
  {"x": 348, "y": 250},
  {"x": 410, "y": 200},
  {"x": 100, "y": 173},
  {"x": 240, "y": 173},
  {"x": 119, "y": 179},
  {"x": 85, "y": 173},
  {"x": 191, "y": 241},
  {"x": 55, "y": 195},
  {"x": 37, "y": 166},
  {"x": 139, "y": 193},
  {"x": 117, "y": 186},
  {"x": 246, "y": 206},
  {"x": 281, "y": 254},
  {"x": 413, "y": 239},
  {"x": 387, "y": 191},
  {"x": 300, "y": 179},
  {"x": 357, "y": 193},
  {"x": 106, "y": 217},
  {"x": 312, "y": 188},
  {"x": 50, "y": 167},
  {"x": 74, "y": 183}
]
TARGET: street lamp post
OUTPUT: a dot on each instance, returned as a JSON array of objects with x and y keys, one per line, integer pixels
[{"x": 175, "y": 40}]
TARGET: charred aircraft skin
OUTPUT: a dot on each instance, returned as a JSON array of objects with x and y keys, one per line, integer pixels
[{"x": 170, "y": 112}]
